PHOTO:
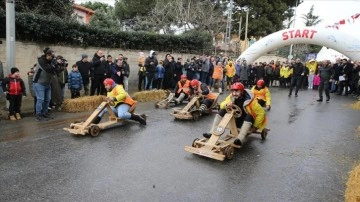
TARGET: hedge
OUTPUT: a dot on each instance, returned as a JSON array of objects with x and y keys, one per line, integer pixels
[{"x": 53, "y": 30}]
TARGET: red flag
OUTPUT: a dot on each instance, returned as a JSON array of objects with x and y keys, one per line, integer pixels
[
  {"x": 355, "y": 16},
  {"x": 342, "y": 22}
]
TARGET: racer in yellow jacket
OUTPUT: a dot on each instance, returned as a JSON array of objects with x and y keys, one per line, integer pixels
[
  {"x": 253, "y": 116},
  {"x": 122, "y": 103},
  {"x": 262, "y": 94}
]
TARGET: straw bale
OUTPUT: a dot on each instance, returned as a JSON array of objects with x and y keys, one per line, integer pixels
[
  {"x": 355, "y": 105},
  {"x": 150, "y": 95},
  {"x": 82, "y": 104},
  {"x": 352, "y": 193}
]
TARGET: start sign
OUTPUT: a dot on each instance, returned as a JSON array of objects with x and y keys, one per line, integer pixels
[{"x": 299, "y": 33}]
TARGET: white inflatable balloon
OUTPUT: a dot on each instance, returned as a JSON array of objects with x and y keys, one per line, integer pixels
[{"x": 346, "y": 44}]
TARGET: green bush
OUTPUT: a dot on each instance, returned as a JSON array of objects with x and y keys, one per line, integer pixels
[{"x": 53, "y": 30}]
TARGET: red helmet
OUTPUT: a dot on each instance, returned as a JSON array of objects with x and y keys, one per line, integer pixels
[
  {"x": 194, "y": 82},
  {"x": 260, "y": 83},
  {"x": 183, "y": 76},
  {"x": 108, "y": 82},
  {"x": 237, "y": 86}
]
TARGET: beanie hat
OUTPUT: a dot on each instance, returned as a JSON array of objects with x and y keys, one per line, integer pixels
[
  {"x": 84, "y": 56},
  {"x": 13, "y": 70}
]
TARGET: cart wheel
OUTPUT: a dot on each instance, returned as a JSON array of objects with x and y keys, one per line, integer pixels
[
  {"x": 229, "y": 152},
  {"x": 194, "y": 144},
  {"x": 94, "y": 130},
  {"x": 196, "y": 115},
  {"x": 264, "y": 134},
  {"x": 156, "y": 105}
]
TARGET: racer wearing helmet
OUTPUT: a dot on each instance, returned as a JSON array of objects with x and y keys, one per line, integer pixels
[
  {"x": 122, "y": 102},
  {"x": 262, "y": 94},
  {"x": 198, "y": 88},
  {"x": 182, "y": 89},
  {"x": 253, "y": 116}
]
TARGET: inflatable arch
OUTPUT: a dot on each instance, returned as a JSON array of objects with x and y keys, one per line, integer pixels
[{"x": 346, "y": 44}]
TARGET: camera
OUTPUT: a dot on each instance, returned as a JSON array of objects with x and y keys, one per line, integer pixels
[{"x": 63, "y": 63}]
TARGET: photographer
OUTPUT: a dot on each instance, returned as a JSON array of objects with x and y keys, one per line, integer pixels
[{"x": 45, "y": 70}]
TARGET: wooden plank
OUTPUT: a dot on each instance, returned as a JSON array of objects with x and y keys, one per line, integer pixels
[{"x": 206, "y": 153}]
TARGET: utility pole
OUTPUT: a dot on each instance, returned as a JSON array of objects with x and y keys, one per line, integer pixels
[
  {"x": 239, "y": 48},
  {"x": 246, "y": 29},
  {"x": 228, "y": 27},
  {"x": 10, "y": 34}
]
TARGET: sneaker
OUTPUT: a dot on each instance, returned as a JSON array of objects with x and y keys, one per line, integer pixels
[
  {"x": 47, "y": 116},
  {"x": 12, "y": 118},
  {"x": 40, "y": 118},
  {"x": 18, "y": 116},
  {"x": 207, "y": 135},
  {"x": 237, "y": 142}
]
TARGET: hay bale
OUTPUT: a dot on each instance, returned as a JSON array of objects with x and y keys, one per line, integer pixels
[
  {"x": 82, "y": 104},
  {"x": 355, "y": 105},
  {"x": 150, "y": 95},
  {"x": 352, "y": 192}
]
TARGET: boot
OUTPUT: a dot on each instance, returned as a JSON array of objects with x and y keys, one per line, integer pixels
[
  {"x": 202, "y": 108},
  {"x": 319, "y": 100},
  {"x": 138, "y": 119},
  {"x": 180, "y": 98},
  {"x": 18, "y": 116},
  {"x": 96, "y": 120},
  {"x": 243, "y": 133},
  {"x": 12, "y": 118},
  {"x": 214, "y": 125}
]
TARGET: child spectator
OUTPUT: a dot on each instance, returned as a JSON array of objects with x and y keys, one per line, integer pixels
[
  {"x": 316, "y": 81},
  {"x": 160, "y": 71},
  {"x": 14, "y": 88},
  {"x": 30, "y": 82},
  {"x": 75, "y": 82}
]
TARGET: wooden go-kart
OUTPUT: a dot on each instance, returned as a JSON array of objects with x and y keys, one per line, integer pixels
[
  {"x": 87, "y": 127},
  {"x": 165, "y": 103},
  {"x": 190, "y": 111},
  {"x": 217, "y": 147}
]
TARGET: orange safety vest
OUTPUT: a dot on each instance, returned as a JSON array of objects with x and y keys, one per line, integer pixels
[
  {"x": 210, "y": 96},
  {"x": 185, "y": 87},
  {"x": 260, "y": 94},
  {"x": 218, "y": 73}
]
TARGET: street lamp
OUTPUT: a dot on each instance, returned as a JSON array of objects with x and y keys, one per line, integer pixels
[{"x": 291, "y": 46}]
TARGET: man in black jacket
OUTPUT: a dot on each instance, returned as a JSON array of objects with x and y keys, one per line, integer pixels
[
  {"x": 345, "y": 77},
  {"x": 98, "y": 73},
  {"x": 326, "y": 73},
  {"x": 298, "y": 71},
  {"x": 150, "y": 64},
  {"x": 84, "y": 67}
]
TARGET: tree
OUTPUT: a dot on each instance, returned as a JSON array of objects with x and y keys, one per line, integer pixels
[
  {"x": 60, "y": 8},
  {"x": 104, "y": 16},
  {"x": 310, "y": 19}
]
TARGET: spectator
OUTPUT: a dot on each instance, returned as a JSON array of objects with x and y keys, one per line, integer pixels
[
  {"x": 118, "y": 72},
  {"x": 30, "y": 83},
  {"x": 298, "y": 71},
  {"x": 75, "y": 82},
  {"x": 45, "y": 70},
  {"x": 160, "y": 71},
  {"x": 98, "y": 73},
  {"x": 14, "y": 88},
  {"x": 150, "y": 65},
  {"x": 84, "y": 68},
  {"x": 142, "y": 71}
]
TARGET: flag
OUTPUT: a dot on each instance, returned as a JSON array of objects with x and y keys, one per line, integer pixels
[
  {"x": 342, "y": 22},
  {"x": 355, "y": 16}
]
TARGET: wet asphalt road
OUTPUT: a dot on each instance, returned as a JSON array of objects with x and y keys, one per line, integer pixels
[{"x": 309, "y": 151}]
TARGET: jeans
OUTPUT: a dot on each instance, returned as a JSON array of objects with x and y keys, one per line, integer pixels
[
  {"x": 126, "y": 83},
  {"x": 43, "y": 96},
  {"x": 121, "y": 111}
]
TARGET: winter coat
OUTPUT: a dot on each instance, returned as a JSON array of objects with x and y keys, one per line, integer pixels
[
  {"x": 160, "y": 70},
  {"x": 13, "y": 85},
  {"x": 75, "y": 80},
  {"x": 84, "y": 69}
]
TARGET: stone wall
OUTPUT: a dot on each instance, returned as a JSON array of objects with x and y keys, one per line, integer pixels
[{"x": 26, "y": 54}]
